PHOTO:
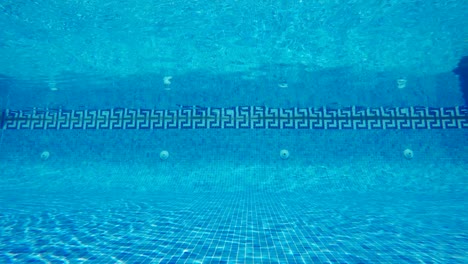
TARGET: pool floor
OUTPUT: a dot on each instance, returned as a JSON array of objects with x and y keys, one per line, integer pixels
[{"x": 248, "y": 227}]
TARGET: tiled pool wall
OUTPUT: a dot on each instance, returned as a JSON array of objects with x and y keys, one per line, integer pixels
[
  {"x": 336, "y": 87},
  {"x": 231, "y": 160},
  {"x": 235, "y": 160}
]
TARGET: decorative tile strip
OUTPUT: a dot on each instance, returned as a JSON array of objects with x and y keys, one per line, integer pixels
[{"x": 240, "y": 117}]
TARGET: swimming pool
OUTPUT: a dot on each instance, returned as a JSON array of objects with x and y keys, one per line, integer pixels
[{"x": 232, "y": 132}]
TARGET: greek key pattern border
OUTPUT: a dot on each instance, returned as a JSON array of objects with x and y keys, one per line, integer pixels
[{"x": 240, "y": 117}]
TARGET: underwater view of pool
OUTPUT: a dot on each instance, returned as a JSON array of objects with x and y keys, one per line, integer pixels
[{"x": 233, "y": 131}]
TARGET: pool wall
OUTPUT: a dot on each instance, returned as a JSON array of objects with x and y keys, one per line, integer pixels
[
  {"x": 234, "y": 160},
  {"x": 230, "y": 160}
]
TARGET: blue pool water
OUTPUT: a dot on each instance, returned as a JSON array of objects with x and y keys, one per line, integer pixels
[
  {"x": 239, "y": 228},
  {"x": 233, "y": 132}
]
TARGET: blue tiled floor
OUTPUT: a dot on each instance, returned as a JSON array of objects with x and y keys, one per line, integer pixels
[{"x": 234, "y": 228}]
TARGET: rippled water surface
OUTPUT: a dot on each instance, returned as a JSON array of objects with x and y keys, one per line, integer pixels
[{"x": 233, "y": 228}]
